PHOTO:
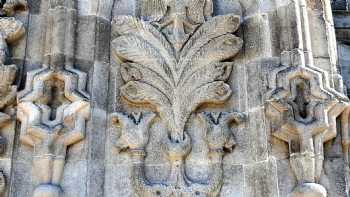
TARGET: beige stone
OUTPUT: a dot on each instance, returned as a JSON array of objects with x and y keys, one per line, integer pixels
[{"x": 239, "y": 98}]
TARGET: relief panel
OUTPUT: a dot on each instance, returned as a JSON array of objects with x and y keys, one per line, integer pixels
[{"x": 175, "y": 59}]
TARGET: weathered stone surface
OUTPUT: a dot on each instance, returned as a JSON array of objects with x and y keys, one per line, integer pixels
[{"x": 239, "y": 98}]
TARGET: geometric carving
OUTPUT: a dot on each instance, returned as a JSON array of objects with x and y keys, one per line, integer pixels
[
  {"x": 303, "y": 114},
  {"x": 175, "y": 59},
  {"x": 53, "y": 107},
  {"x": 51, "y": 127}
]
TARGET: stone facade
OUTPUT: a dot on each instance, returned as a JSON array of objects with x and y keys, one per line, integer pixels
[{"x": 174, "y": 98}]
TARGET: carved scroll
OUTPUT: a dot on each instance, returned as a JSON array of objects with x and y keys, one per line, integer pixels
[
  {"x": 175, "y": 59},
  {"x": 54, "y": 106}
]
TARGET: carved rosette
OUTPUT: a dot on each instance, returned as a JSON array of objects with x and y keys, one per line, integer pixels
[
  {"x": 173, "y": 60},
  {"x": 54, "y": 106},
  {"x": 303, "y": 113}
]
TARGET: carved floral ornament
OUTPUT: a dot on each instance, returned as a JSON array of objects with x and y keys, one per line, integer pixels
[{"x": 175, "y": 59}]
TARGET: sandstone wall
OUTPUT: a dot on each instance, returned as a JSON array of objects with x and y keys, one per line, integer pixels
[{"x": 174, "y": 98}]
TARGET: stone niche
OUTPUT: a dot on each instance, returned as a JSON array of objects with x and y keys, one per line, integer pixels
[{"x": 231, "y": 98}]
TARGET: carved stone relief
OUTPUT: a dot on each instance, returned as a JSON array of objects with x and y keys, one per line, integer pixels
[
  {"x": 54, "y": 105},
  {"x": 175, "y": 59},
  {"x": 303, "y": 114},
  {"x": 11, "y": 30},
  {"x": 303, "y": 109},
  {"x": 173, "y": 88}
]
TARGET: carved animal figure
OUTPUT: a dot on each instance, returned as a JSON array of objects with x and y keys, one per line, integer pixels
[
  {"x": 219, "y": 134},
  {"x": 135, "y": 128}
]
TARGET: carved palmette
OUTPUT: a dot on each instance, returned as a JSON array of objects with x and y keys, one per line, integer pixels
[{"x": 175, "y": 60}]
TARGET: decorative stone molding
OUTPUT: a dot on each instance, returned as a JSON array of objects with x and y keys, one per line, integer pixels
[
  {"x": 53, "y": 107},
  {"x": 303, "y": 108},
  {"x": 303, "y": 114},
  {"x": 173, "y": 60},
  {"x": 50, "y": 139}
]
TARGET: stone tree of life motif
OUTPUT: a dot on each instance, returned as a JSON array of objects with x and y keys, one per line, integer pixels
[{"x": 176, "y": 58}]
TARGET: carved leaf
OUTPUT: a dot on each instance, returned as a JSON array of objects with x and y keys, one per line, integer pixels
[
  {"x": 217, "y": 50},
  {"x": 142, "y": 93},
  {"x": 215, "y": 27},
  {"x": 176, "y": 86},
  {"x": 130, "y": 25},
  {"x": 216, "y": 93},
  {"x": 209, "y": 73},
  {"x": 138, "y": 72},
  {"x": 134, "y": 49}
]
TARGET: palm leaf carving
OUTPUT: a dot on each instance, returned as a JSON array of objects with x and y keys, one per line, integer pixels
[{"x": 176, "y": 84}]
